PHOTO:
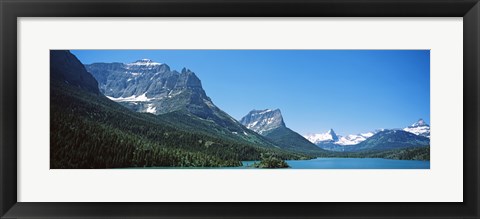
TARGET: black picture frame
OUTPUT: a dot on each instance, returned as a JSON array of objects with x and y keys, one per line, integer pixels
[{"x": 10, "y": 10}]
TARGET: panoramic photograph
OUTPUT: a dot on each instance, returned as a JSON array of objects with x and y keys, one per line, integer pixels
[{"x": 240, "y": 109}]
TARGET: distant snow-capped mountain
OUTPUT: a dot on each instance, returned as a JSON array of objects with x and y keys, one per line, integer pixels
[
  {"x": 354, "y": 139},
  {"x": 328, "y": 137},
  {"x": 331, "y": 141},
  {"x": 331, "y": 137},
  {"x": 391, "y": 139},
  {"x": 419, "y": 128}
]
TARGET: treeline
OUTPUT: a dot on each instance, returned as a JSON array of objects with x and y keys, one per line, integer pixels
[
  {"x": 413, "y": 153},
  {"x": 90, "y": 131}
]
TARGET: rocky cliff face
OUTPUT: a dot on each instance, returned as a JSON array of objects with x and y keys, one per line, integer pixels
[
  {"x": 262, "y": 121},
  {"x": 152, "y": 87},
  {"x": 144, "y": 76},
  {"x": 148, "y": 86}
]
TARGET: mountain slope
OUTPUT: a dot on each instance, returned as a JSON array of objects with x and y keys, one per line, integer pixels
[
  {"x": 65, "y": 67},
  {"x": 189, "y": 122},
  {"x": 290, "y": 140},
  {"x": 392, "y": 139},
  {"x": 270, "y": 124}
]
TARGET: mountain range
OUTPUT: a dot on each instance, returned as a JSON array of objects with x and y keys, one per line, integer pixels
[
  {"x": 152, "y": 87},
  {"x": 90, "y": 130},
  {"x": 142, "y": 113},
  {"x": 333, "y": 142},
  {"x": 391, "y": 139}
]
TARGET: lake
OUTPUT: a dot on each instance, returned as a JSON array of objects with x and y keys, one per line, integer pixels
[{"x": 353, "y": 163}]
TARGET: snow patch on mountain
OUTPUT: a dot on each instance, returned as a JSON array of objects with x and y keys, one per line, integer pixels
[
  {"x": 133, "y": 98},
  {"x": 151, "y": 109},
  {"x": 144, "y": 62}
]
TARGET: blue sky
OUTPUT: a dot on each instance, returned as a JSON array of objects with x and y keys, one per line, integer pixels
[{"x": 351, "y": 91}]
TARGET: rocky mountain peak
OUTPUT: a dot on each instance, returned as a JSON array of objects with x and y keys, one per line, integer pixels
[
  {"x": 188, "y": 79},
  {"x": 186, "y": 70},
  {"x": 333, "y": 135},
  {"x": 149, "y": 86},
  {"x": 262, "y": 121}
]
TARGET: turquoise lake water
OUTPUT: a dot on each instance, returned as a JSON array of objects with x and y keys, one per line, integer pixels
[{"x": 353, "y": 163}]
